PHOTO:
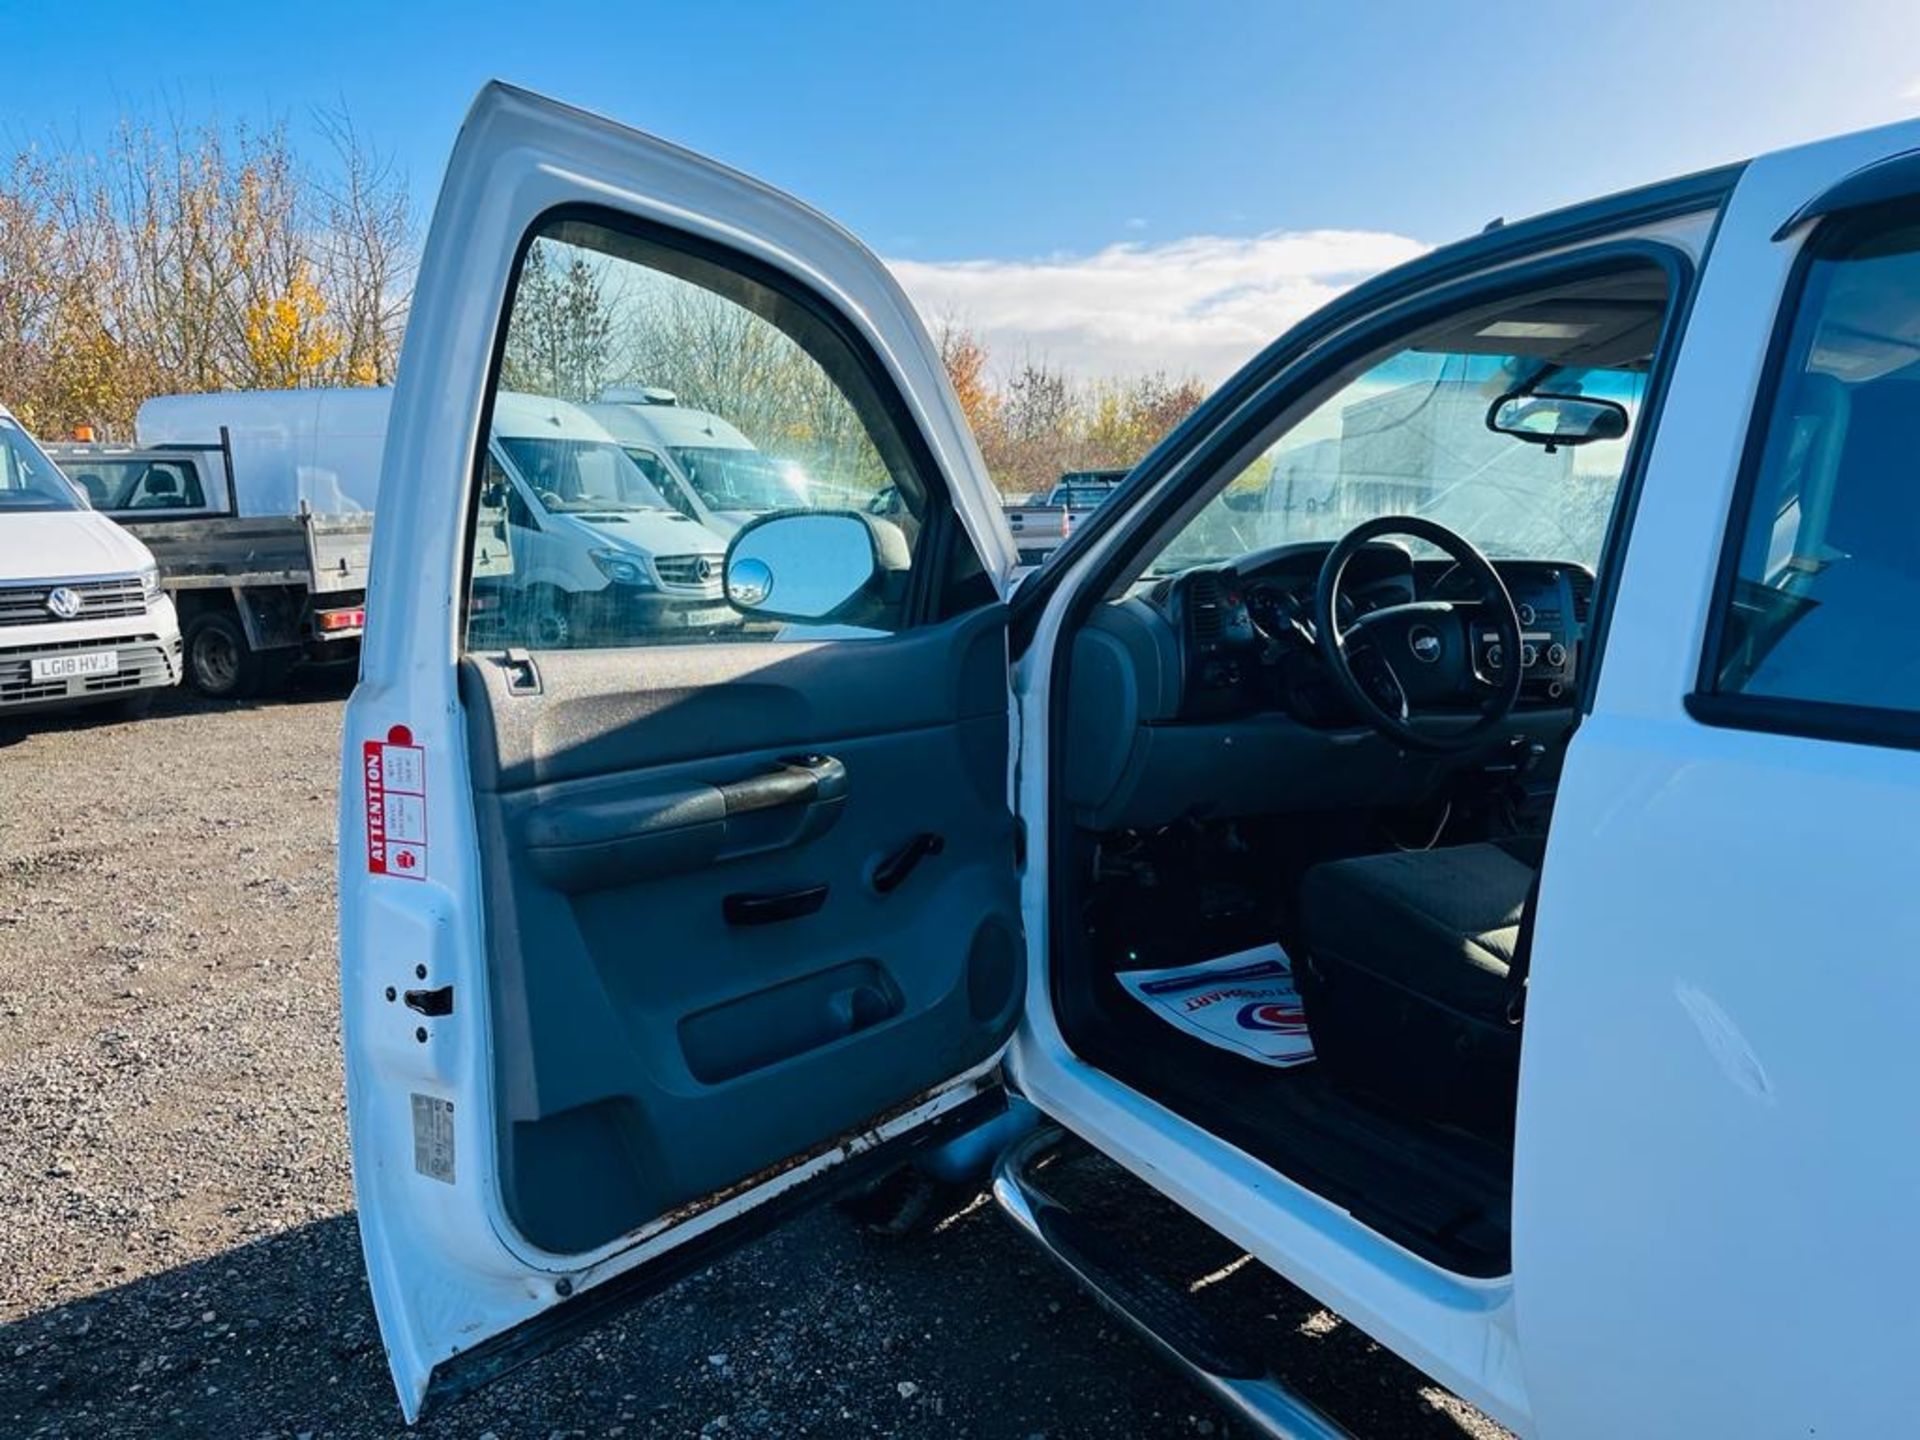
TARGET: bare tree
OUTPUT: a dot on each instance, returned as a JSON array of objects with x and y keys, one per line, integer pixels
[
  {"x": 195, "y": 257},
  {"x": 367, "y": 252}
]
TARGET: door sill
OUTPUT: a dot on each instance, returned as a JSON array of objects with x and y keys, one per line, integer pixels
[{"x": 1457, "y": 1329}]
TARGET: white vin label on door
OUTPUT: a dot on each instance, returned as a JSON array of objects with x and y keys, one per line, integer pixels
[{"x": 433, "y": 1137}]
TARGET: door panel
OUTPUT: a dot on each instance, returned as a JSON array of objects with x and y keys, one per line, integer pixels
[
  {"x": 654, "y": 911},
  {"x": 650, "y": 1049}
]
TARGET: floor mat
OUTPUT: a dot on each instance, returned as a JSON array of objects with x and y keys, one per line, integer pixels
[{"x": 1244, "y": 1003}]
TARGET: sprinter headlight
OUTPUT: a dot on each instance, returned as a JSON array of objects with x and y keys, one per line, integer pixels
[{"x": 623, "y": 569}]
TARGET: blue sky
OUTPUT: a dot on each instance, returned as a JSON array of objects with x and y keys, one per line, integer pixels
[{"x": 1005, "y": 153}]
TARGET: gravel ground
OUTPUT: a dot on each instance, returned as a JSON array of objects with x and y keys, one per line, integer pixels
[{"x": 176, "y": 1214}]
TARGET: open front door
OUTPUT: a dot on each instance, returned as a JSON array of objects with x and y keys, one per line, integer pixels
[{"x": 677, "y": 869}]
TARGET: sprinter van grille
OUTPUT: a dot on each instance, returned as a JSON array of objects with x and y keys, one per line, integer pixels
[{"x": 685, "y": 571}]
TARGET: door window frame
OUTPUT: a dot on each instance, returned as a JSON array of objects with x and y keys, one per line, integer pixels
[
  {"x": 942, "y": 551},
  {"x": 1706, "y": 703},
  {"x": 1218, "y": 452}
]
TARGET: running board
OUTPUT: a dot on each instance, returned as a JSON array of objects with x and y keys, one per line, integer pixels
[{"x": 1162, "y": 1316}]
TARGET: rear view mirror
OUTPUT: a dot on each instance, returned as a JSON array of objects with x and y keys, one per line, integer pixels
[
  {"x": 814, "y": 566},
  {"x": 1556, "y": 420}
]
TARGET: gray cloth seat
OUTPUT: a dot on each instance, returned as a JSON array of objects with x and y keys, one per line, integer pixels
[{"x": 1445, "y": 925}]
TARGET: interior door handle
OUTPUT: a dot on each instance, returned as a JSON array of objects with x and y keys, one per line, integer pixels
[
  {"x": 768, "y": 909},
  {"x": 800, "y": 780},
  {"x": 593, "y": 843},
  {"x": 891, "y": 873}
]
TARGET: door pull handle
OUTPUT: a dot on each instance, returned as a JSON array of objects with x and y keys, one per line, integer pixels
[
  {"x": 892, "y": 872},
  {"x": 769, "y": 909}
]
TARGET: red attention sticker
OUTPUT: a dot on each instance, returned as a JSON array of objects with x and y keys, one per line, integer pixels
[{"x": 395, "y": 771}]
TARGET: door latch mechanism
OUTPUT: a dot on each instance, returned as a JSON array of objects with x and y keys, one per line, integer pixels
[{"x": 431, "y": 1002}]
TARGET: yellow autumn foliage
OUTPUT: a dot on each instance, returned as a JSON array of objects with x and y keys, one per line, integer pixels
[
  {"x": 1037, "y": 421},
  {"x": 194, "y": 257},
  {"x": 289, "y": 341}
]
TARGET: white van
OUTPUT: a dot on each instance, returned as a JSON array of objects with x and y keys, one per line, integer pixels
[
  {"x": 704, "y": 466},
  {"x": 592, "y": 541},
  {"x": 82, "y": 616}
]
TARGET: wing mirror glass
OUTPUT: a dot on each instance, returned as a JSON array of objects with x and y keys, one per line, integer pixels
[
  {"x": 815, "y": 566},
  {"x": 1556, "y": 420}
]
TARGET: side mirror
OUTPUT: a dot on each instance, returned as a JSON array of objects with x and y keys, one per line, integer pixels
[
  {"x": 815, "y": 566},
  {"x": 1556, "y": 420}
]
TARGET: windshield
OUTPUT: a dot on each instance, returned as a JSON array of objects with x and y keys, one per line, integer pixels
[
  {"x": 576, "y": 476},
  {"x": 1409, "y": 437},
  {"x": 736, "y": 479},
  {"x": 28, "y": 480}
]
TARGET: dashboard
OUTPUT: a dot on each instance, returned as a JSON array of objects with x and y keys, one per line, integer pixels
[
  {"x": 1245, "y": 631},
  {"x": 1205, "y": 692}
]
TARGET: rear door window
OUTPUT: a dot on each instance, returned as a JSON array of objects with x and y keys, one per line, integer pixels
[
  {"x": 1823, "y": 588},
  {"x": 142, "y": 485}
]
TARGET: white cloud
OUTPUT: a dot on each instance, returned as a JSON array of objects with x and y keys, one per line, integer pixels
[{"x": 1200, "y": 305}]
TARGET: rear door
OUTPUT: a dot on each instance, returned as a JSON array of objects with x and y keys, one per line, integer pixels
[
  {"x": 657, "y": 913},
  {"x": 1717, "y": 1160}
]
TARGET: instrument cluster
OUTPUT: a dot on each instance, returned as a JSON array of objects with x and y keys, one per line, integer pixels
[{"x": 1248, "y": 631}]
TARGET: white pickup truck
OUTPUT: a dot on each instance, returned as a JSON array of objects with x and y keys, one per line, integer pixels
[
  {"x": 1480, "y": 894},
  {"x": 83, "y": 620},
  {"x": 1041, "y": 524}
]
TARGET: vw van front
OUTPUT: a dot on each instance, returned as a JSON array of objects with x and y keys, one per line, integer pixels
[{"x": 83, "y": 619}]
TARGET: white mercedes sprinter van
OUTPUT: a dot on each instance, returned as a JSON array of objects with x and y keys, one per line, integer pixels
[
  {"x": 593, "y": 543},
  {"x": 705, "y": 467},
  {"x": 82, "y": 616}
]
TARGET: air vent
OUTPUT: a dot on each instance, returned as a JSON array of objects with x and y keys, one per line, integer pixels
[
  {"x": 1582, "y": 585},
  {"x": 1203, "y": 607}
]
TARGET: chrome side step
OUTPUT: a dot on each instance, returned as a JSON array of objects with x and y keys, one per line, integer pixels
[{"x": 1163, "y": 1316}]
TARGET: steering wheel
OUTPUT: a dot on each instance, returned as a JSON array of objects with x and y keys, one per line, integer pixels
[{"x": 1398, "y": 661}]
